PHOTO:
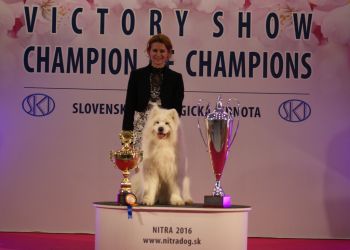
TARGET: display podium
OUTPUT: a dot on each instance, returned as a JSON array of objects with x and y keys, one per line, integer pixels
[{"x": 170, "y": 227}]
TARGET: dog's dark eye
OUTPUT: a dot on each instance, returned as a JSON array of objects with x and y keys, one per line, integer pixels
[
  {"x": 157, "y": 122},
  {"x": 167, "y": 123}
]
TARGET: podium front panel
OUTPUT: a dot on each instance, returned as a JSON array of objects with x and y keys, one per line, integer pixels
[{"x": 170, "y": 227}]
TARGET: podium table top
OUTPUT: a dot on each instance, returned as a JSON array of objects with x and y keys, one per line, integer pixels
[{"x": 196, "y": 207}]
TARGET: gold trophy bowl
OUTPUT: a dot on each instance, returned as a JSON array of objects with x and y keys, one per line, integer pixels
[{"x": 126, "y": 159}]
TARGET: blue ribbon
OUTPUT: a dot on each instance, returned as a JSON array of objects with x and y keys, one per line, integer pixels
[{"x": 129, "y": 212}]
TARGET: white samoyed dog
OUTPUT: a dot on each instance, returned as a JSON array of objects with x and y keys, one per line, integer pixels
[{"x": 162, "y": 178}]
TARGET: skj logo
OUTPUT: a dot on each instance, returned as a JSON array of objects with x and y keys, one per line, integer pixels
[
  {"x": 294, "y": 110},
  {"x": 38, "y": 105}
]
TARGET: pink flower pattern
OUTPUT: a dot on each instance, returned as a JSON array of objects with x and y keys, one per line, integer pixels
[{"x": 329, "y": 24}]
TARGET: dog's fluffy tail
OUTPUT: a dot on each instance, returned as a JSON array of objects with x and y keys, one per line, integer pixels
[
  {"x": 186, "y": 194},
  {"x": 137, "y": 185},
  {"x": 183, "y": 167}
]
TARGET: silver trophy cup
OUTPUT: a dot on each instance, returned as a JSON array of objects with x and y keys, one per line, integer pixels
[{"x": 220, "y": 134}]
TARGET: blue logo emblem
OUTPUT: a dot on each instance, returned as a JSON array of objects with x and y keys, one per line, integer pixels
[
  {"x": 38, "y": 105},
  {"x": 294, "y": 110}
]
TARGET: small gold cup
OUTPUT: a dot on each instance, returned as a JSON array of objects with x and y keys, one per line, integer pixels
[{"x": 126, "y": 159}]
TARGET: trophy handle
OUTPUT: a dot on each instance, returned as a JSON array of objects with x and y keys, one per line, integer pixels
[
  {"x": 199, "y": 125},
  {"x": 112, "y": 157},
  {"x": 231, "y": 112}
]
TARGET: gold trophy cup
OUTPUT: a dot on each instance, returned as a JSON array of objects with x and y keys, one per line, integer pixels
[{"x": 126, "y": 159}]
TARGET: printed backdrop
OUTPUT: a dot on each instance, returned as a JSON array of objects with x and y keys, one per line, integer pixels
[{"x": 64, "y": 71}]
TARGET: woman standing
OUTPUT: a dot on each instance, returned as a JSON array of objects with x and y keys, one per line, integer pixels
[{"x": 153, "y": 84}]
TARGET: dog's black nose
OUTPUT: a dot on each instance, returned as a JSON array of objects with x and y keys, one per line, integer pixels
[{"x": 160, "y": 130}]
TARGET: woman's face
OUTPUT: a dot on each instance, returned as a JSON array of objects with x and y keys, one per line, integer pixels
[{"x": 158, "y": 54}]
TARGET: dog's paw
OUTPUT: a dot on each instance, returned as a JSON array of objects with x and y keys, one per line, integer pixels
[
  {"x": 188, "y": 201},
  {"x": 148, "y": 201},
  {"x": 176, "y": 200}
]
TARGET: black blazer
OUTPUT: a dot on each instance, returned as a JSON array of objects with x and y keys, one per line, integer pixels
[{"x": 139, "y": 88}]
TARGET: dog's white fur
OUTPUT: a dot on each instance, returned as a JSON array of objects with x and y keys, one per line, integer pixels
[{"x": 162, "y": 173}]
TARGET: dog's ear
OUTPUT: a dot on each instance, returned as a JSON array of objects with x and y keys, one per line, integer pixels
[
  {"x": 155, "y": 109},
  {"x": 175, "y": 116},
  {"x": 153, "y": 105}
]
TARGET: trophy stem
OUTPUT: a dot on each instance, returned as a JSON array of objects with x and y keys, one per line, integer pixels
[
  {"x": 125, "y": 183},
  {"x": 218, "y": 191},
  {"x": 125, "y": 188}
]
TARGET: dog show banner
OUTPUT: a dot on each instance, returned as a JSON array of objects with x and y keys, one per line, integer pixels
[{"x": 64, "y": 69}]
